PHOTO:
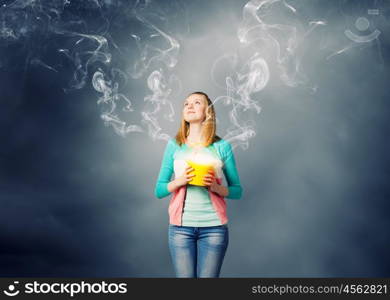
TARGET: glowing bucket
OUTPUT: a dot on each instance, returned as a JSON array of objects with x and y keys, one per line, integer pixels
[{"x": 199, "y": 170}]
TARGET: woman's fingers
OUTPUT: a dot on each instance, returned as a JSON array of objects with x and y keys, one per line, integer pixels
[
  {"x": 208, "y": 179},
  {"x": 189, "y": 176}
]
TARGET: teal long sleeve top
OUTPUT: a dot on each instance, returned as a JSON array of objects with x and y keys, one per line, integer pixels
[{"x": 225, "y": 152}]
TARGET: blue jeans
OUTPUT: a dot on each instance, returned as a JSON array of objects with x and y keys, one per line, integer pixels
[{"x": 198, "y": 251}]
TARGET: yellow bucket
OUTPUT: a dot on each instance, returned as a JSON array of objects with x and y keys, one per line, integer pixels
[{"x": 199, "y": 170}]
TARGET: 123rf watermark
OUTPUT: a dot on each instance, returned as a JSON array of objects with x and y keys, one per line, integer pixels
[{"x": 71, "y": 289}]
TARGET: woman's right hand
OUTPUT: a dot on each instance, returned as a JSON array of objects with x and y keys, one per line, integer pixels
[{"x": 186, "y": 177}]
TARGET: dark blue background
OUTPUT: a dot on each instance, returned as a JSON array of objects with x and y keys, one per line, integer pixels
[{"x": 77, "y": 199}]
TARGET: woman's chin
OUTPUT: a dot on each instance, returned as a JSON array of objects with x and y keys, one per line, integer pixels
[{"x": 193, "y": 120}]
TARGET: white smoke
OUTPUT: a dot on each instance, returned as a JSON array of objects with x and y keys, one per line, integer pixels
[
  {"x": 280, "y": 41},
  {"x": 91, "y": 53},
  {"x": 110, "y": 98}
]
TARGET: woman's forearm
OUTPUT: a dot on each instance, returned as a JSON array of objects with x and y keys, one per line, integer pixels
[
  {"x": 172, "y": 186},
  {"x": 222, "y": 190}
]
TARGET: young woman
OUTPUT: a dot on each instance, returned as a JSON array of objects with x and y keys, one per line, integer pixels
[{"x": 198, "y": 232}]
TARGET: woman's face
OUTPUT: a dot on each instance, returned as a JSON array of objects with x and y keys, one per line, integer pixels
[{"x": 194, "y": 109}]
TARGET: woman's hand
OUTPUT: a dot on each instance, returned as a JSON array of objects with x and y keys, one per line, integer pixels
[
  {"x": 185, "y": 178},
  {"x": 210, "y": 181}
]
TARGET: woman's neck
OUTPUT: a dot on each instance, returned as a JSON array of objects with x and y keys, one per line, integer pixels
[{"x": 195, "y": 135}]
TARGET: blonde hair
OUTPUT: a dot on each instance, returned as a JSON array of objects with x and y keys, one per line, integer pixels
[{"x": 209, "y": 125}]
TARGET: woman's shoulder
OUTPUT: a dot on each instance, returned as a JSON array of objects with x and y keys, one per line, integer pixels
[
  {"x": 222, "y": 143},
  {"x": 223, "y": 147},
  {"x": 172, "y": 143}
]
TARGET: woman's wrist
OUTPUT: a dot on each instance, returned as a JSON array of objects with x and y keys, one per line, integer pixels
[
  {"x": 220, "y": 190},
  {"x": 172, "y": 186},
  {"x": 224, "y": 191}
]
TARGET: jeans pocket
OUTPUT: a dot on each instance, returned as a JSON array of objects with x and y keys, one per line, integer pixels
[{"x": 176, "y": 227}]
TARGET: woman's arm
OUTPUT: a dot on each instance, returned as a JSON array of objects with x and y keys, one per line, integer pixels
[
  {"x": 234, "y": 189},
  {"x": 220, "y": 189},
  {"x": 164, "y": 185},
  {"x": 172, "y": 186}
]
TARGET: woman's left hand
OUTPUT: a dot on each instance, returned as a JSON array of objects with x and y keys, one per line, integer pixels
[{"x": 210, "y": 181}]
